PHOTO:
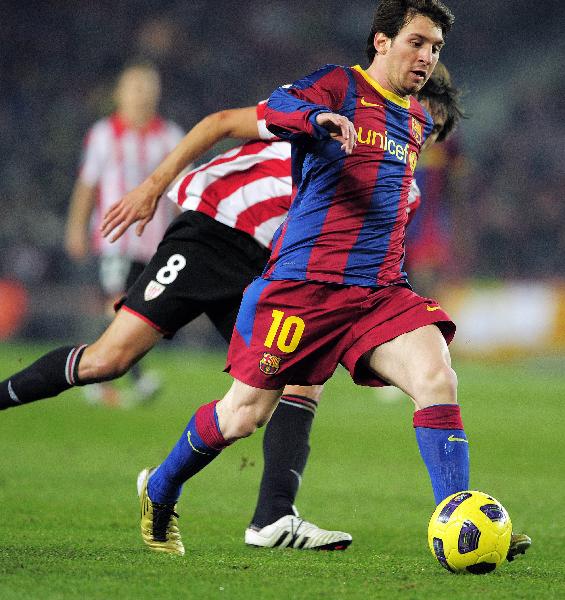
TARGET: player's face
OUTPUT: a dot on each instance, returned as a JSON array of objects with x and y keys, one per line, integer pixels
[
  {"x": 412, "y": 55},
  {"x": 138, "y": 92},
  {"x": 439, "y": 115}
]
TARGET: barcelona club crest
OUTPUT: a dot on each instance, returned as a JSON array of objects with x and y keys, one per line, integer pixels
[
  {"x": 269, "y": 364},
  {"x": 417, "y": 130}
]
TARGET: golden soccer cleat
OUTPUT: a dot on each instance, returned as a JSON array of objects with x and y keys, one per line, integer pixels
[
  {"x": 159, "y": 525},
  {"x": 519, "y": 543}
]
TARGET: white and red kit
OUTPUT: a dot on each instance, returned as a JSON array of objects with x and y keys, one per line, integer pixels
[
  {"x": 116, "y": 159},
  {"x": 249, "y": 187}
]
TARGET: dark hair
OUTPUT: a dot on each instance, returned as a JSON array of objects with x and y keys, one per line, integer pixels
[
  {"x": 391, "y": 16},
  {"x": 439, "y": 91}
]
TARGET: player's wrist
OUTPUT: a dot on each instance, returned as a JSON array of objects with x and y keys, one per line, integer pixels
[
  {"x": 155, "y": 185},
  {"x": 315, "y": 117}
]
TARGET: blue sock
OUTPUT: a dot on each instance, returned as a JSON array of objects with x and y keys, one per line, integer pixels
[
  {"x": 444, "y": 448},
  {"x": 197, "y": 447}
]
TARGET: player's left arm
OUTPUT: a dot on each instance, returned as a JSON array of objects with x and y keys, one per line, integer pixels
[{"x": 140, "y": 204}]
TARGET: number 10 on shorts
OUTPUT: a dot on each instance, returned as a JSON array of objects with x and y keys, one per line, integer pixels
[{"x": 286, "y": 330}]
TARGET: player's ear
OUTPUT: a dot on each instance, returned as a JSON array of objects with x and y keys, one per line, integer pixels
[{"x": 381, "y": 42}]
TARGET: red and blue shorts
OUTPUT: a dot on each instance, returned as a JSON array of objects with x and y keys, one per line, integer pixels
[{"x": 297, "y": 332}]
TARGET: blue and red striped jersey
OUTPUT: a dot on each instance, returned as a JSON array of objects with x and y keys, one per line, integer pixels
[{"x": 348, "y": 215}]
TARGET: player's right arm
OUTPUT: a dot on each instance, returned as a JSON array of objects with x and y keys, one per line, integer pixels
[
  {"x": 140, "y": 204},
  {"x": 78, "y": 219}
]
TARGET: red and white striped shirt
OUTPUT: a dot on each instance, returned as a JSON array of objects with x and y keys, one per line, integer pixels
[
  {"x": 249, "y": 187},
  {"x": 116, "y": 159}
]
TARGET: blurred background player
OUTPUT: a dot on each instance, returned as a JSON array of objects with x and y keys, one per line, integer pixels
[{"x": 120, "y": 151}]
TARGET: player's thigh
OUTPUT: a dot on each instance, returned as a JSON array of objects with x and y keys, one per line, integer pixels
[
  {"x": 414, "y": 361},
  {"x": 291, "y": 332}
]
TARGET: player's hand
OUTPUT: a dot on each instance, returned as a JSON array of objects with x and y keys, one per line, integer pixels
[
  {"x": 139, "y": 206},
  {"x": 340, "y": 129}
]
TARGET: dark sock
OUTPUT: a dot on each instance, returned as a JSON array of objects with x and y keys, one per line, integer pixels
[
  {"x": 47, "y": 377},
  {"x": 285, "y": 450}
]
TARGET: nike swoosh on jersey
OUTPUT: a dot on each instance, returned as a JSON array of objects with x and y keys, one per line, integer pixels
[
  {"x": 365, "y": 103},
  {"x": 432, "y": 308},
  {"x": 452, "y": 438}
]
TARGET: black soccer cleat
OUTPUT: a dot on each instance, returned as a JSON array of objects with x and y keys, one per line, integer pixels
[{"x": 519, "y": 543}]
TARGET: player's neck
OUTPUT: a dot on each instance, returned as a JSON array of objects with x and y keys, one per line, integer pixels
[
  {"x": 377, "y": 72},
  {"x": 136, "y": 120}
]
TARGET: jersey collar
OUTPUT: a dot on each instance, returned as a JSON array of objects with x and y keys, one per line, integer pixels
[{"x": 403, "y": 102}]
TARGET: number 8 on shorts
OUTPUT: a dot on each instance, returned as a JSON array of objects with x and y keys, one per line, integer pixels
[{"x": 170, "y": 271}]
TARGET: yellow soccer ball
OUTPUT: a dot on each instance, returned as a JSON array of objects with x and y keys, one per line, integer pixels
[{"x": 470, "y": 532}]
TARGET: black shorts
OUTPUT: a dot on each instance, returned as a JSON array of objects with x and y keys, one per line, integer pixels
[{"x": 201, "y": 266}]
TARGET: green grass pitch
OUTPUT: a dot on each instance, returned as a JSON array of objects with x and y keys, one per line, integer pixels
[{"x": 69, "y": 511}]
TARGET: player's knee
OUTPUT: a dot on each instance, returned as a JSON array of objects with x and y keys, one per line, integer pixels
[
  {"x": 245, "y": 420},
  {"x": 102, "y": 364},
  {"x": 437, "y": 385},
  {"x": 443, "y": 382}
]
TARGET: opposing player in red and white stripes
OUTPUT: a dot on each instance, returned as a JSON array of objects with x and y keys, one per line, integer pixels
[
  {"x": 247, "y": 188},
  {"x": 210, "y": 253},
  {"x": 120, "y": 151},
  {"x": 117, "y": 157}
]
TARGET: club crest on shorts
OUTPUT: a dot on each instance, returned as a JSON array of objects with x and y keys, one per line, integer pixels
[
  {"x": 153, "y": 290},
  {"x": 269, "y": 364}
]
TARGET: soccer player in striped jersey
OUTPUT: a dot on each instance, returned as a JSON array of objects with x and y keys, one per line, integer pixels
[
  {"x": 229, "y": 188},
  {"x": 120, "y": 151},
  {"x": 333, "y": 290},
  {"x": 200, "y": 189},
  {"x": 253, "y": 179}
]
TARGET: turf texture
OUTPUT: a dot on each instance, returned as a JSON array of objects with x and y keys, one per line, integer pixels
[{"x": 69, "y": 510}]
